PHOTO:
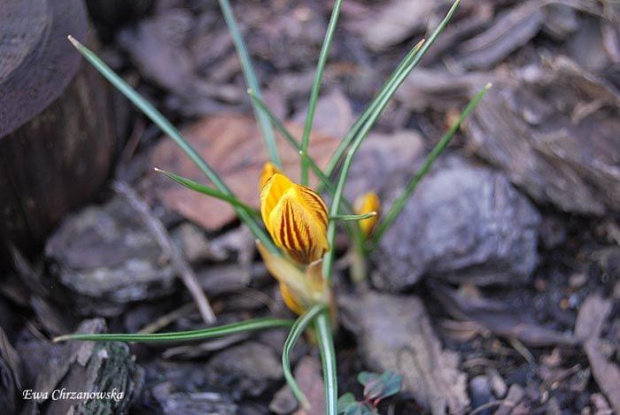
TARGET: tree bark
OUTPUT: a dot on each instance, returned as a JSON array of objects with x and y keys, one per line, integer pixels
[{"x": 57, "y": 135}]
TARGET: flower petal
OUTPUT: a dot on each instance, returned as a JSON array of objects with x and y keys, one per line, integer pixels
[
  {"x": 269, "y": 169},
  {"x": 367, "y": 203},
  {"x": 270, "y": 196},
  {"x": 301, "y": 231},
  {"x": 290, "y": 299}
]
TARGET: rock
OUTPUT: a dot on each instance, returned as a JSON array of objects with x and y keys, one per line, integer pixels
[
  {"x": 88, "y": 367},
  {"x": 481, "y": 394},
  {"x": 464, "y": 223},
  {"x": 409, "y": 347},
  {"x": 383, "y": 162},
  {"x": 554, "y": 133},
  {"x": 395, "y": 21},
  {"x": 309, "y": 378},
  {"x": 108, "y": 258},
  {"x": 249, "y": 369},
  {"x": 184, "y": 388},
  {"x": 182, "y": 403}
]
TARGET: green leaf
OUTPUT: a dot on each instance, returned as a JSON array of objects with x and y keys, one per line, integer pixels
[
  {"x": 166, "y": 126},
  {"x": 380, "y": 386},
  {"x": 201, "y": 188},
  {"x": 345, "y": 401},
  {"x": 347, "y": 405},
  {"x": 349, "y": 218},
  {"x": 208, "y": 333},
  {"x": 251, "y": 80},
  {"x": 288, "y": 136},
  {"x": 402, "y": 199},
  {"x": 378, "y": 108},
  {"x": 298, "y": 328},
  {"x": 372, "y": 112},
  {"x": 316, "y": 86},
  {"x": 328, "y": 359}
]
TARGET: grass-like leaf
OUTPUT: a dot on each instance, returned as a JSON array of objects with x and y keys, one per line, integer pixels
[
  {"x": 374, "y": 109},
  {"x": 251, "y": 80},
  {"x": 166, "y": 126},
  {"x": 363, "y": 118},
  {"x": 328, "y": 359},
  {"x": 381, "y": 103},
  {"x": 402, "y": 199},
  {"x": 206, "y": 190},
  {"x": 208, "y": 333},
  {"x": 353, "y": 218},
  {"x": 288, "y": 136},
  {"x": 298, "y": 328},
  {"x": 316, "y": 86},
  {"x": 292, "y": 141}
]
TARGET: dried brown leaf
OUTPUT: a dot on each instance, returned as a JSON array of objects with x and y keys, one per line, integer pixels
[{"x": 233, "y": 147}]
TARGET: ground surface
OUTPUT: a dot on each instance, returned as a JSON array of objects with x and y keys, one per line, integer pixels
[{"x": 496, "y": 292}]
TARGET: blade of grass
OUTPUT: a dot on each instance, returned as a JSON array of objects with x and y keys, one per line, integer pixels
[
  {"x": 353, "y": 218},
  {"x": 328, "y": 359},
  {"x": 242, "y": 326},
  {"x": 382, "y": 102},
  {"x": 201, "y": 188},
  {"x": 298, "y": 328},
  {"x": 316, "y": 86},
  {"x": 251, "y": 81},
  {"x": 346, "y": 141},
  {"x": 166, "y": 126},
  {"x": 402, "y": 199},
  {"x": 288, "y": 136},
  {"x": 389, "y": 88}
]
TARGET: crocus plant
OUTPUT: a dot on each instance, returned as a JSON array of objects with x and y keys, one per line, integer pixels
[{"x": 296, "y": 238}]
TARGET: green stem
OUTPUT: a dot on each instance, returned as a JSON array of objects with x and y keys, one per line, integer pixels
[
  {"x": 251, "y": 80},
  {"x": 298, "y": 328},
  {"x": 402, "y": 199},
  {"x": 328, "y": 359},
  {"x": 316, "y": 86},
  {"x": 242, "y": 326}
]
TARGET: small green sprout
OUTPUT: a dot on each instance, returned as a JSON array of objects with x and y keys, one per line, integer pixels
[{"x": 376, "y": 388}]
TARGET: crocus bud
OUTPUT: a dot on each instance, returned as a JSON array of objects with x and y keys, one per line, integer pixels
[
  {"x": 367, "y": 203},
  {"x": 295, "y": 216}
]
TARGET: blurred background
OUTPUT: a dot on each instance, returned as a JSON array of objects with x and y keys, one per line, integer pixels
[{"x": 497, "y": 289}]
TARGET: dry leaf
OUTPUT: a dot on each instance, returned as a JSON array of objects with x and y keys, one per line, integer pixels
[{"x": 233, "y": 147}]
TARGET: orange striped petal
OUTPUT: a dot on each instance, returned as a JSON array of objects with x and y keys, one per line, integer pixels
[
  {"x": 270, "y": 196},
  {"x": 367, "y": 203},
  {"x": 298, "y": 224}
]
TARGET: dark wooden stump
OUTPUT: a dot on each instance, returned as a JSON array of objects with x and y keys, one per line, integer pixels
[{"x": 57, "y": 136}]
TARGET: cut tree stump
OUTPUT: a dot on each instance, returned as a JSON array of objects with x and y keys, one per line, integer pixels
[{"x": 57, "y": 131}]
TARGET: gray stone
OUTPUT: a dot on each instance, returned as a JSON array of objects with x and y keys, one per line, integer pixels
[
  {"x": 249, "y": 368},
  {"x": 107, "y": 257},
  {"x": 464, "y": 223}
]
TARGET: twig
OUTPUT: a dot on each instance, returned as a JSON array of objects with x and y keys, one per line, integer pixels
[
  {"x": 163, "y": 238},
  {"x": 492, "y": 404}
]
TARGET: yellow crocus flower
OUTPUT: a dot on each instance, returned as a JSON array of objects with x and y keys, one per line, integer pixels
[
  {"x": 367, "y": 203},
  {"x": 294, "y": 215}
]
